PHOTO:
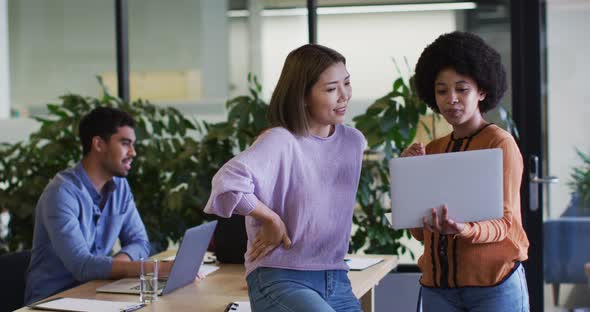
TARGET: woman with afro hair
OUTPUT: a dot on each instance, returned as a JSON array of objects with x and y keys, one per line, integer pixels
[{"x": 474, "y": 266}]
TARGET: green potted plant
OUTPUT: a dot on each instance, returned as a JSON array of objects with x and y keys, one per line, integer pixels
[
  {"x": 170, "y": 153},
  {"x": 171, "y": 177},
  {"x": 580, "y": 184},
  {"x": 389, "y": 125},
  {"x": 166, "y": 191}
]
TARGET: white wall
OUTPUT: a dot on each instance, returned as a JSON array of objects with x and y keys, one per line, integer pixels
[
  {"x": 280, "y": 35},
  {"x": 238, "y": 58},
  {"x": 568, "y": 100},
  {"x": 371, "y": 41},
  {"x": 213, "y": 44},
  {"x": 15, "y": 130},
  {"x": 4, "y": 64},
  {"x": 164, "y": 35}
]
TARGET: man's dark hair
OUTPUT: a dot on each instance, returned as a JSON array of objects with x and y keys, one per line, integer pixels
[
  {"x": 102, "y": 122},
  {"x": 468, "y": 55}
]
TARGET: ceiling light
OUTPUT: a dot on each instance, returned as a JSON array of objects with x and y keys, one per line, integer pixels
[{"x": 447, "y": 6}]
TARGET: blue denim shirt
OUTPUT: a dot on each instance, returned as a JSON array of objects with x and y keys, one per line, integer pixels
[{"x": 74, "y": 238}]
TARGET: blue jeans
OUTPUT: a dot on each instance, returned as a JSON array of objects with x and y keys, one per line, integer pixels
[
  {"x": 272, "y": 289},
  {"x": 510, "y": 296}
]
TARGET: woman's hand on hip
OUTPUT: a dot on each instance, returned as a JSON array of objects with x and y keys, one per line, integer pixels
[{"x": 272, "y": 233}]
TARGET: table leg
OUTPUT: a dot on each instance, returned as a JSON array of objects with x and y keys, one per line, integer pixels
[{"x": 368, "y": 301}]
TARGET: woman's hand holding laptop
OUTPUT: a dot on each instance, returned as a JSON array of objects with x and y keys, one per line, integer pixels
[
  {"x": 416, "y": 149},
  {"x": 446, "y": 225}
]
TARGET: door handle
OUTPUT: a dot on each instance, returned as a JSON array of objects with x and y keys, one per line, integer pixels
[
  {"x": 535, "y": 180},
  {"x": 534, "y": 173},
  {"x": 545, "y": 180}
]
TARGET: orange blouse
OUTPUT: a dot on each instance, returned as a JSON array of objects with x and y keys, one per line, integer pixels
[{"x": 485, "y": 252}]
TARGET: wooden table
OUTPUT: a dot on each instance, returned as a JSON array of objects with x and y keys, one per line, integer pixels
[{"x": 225, "y": 285}]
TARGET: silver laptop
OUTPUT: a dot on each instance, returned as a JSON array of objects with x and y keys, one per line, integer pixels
[
  {"x": 185, "y": 268},
  {"x": 470, "y": 183}
]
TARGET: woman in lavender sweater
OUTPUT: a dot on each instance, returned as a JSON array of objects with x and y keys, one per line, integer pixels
[{"x": 296, "y": 185}]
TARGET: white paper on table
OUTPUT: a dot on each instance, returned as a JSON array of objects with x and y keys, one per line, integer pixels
[
  {"x": 207, "y": 269},
  {"x": 209, "y": 258},
  {"x": 171, "y": 258},
  {"x": 204, "y": 270},
  {"x": 357, "y": 264},
  {"x": 90, "y": 305}
]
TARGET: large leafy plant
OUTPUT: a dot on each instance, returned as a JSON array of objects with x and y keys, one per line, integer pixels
[
  {"x": 171, "y": 175},
  {"x": 246, "y": 119},
  {"x": 166, "y": 188},
  {"x": 177, "y": 158},
  {"x": 389, "y": 125},
  {"x": 580, "y": 181}
]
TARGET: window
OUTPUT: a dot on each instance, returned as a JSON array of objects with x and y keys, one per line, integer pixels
[{"x": 57, "y": 47}]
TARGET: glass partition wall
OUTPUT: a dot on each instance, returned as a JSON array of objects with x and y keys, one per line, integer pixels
[
  {"x": 57, "y": 47},
  {"x": 566, "y": 217},
  {"x": 195, "y": 54}
]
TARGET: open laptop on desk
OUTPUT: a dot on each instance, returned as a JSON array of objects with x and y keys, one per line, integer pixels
[{"x": 185, "y": 268}]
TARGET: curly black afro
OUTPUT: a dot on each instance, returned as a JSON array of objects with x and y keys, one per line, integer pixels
[{"x": 468, "y": 55}]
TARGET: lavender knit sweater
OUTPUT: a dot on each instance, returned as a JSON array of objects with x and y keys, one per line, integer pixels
[{"x": 309, "y": 181}]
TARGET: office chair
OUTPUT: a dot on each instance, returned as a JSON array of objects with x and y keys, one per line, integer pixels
[
  {"x": 13, "y": 268},
  {"x": 230, "y": 239}
]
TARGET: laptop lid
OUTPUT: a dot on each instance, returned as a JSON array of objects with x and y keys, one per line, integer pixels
[
  {"x": 186, "y": 265},
  {"x": 189, "y": 256},
  {"x": 469, "y": 182}
]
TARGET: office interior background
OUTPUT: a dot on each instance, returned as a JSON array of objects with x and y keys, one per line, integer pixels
[{"x": 195, "y": 54}]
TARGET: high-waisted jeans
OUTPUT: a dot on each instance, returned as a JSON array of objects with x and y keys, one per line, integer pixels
[
  {"x": 272, "y": 289},
  {"x": 509, "y": 296}
]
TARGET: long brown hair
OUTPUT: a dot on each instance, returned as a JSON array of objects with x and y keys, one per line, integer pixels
[{"x": 301, "y": 71}]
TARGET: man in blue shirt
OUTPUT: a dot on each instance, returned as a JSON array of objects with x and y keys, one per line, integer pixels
[{"x": 84, "y": 209}]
